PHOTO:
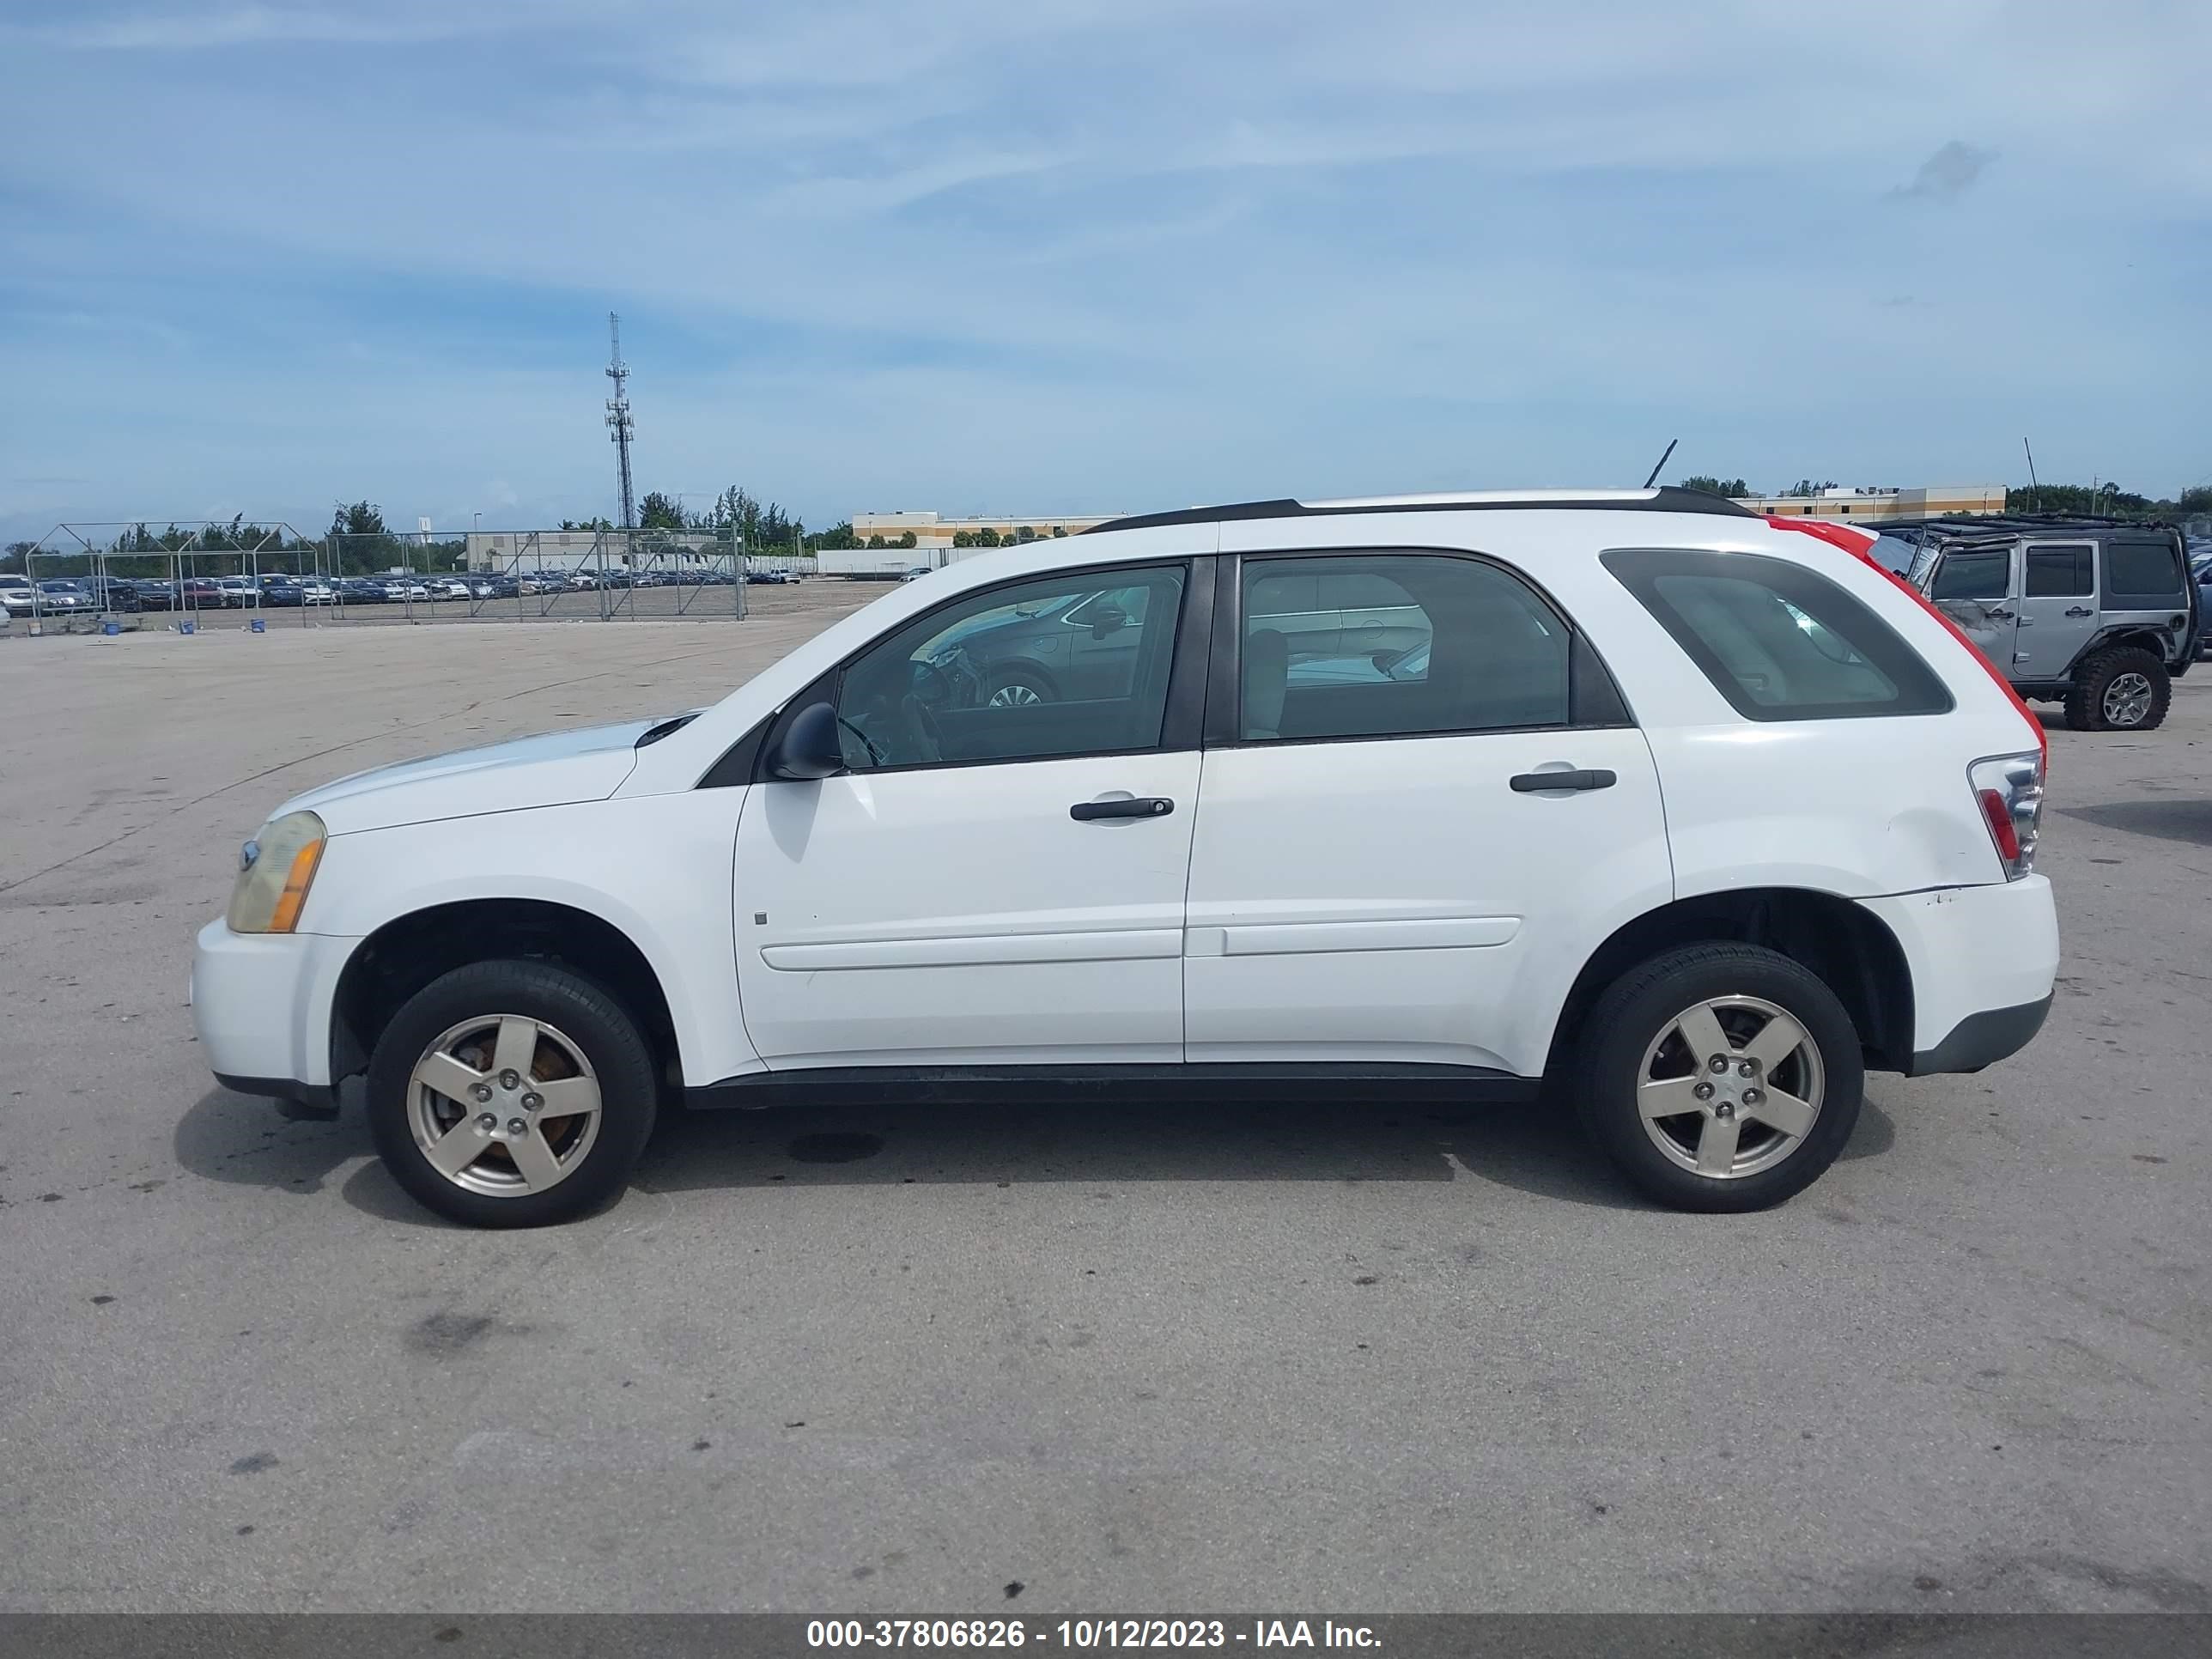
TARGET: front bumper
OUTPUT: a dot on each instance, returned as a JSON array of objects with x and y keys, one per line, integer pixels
[{"x": 261, "y": 1004}]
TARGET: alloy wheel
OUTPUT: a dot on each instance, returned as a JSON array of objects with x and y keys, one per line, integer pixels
[
  {"x": 504, "y": 1105},
  {"x": 1730, "y": 1086},
  {"x": 2127, "y": 699}
]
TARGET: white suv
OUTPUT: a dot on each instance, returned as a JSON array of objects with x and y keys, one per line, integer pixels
[{"x": 1686, "y": 814}]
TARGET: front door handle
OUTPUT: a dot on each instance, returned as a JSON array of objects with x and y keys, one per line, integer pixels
[
  {"x": 2079, "y": 611},
  {"x": 1998, "y": 615},
  {"x": 1142, "y": 806},
  {"x": 1531, "y": 783}
]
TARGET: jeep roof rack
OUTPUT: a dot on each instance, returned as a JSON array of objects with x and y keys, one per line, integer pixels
[
  {"x": 1970, "y": 524},
  {"x": 1666, "y": 499}
]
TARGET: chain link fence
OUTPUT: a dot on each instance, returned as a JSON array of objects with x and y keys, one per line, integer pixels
[{"x": 114, "y": 578}]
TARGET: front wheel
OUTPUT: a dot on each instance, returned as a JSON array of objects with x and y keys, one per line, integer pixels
[
  {"x": 1720, "y": 1077},
  {"x": 511, "y": 1094},
  {"x": 1014, "y": 686}
]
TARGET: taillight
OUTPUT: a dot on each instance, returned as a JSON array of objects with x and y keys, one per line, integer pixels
[{"x": 2009, "y": 791}]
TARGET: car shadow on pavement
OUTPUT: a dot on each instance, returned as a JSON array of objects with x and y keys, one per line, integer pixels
[
  {"x": 1536, "y": 1150},
  {"x": 1345, "y": 1142},
  {"x": 254, "y": 1142},
  {"x": 2187, "y": 821}
]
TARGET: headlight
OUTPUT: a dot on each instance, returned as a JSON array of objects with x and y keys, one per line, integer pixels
[{"x": 274, "y": 870}]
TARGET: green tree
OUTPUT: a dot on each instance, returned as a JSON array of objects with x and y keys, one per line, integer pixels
[
  {"x": 660, "y": 512},
  {"x": 986, "y": 537},
  {"x": 1805, "y": 489},
  {"x": 963, "y": 539},
  {"x": 1026, "y": 534},
  {"x": 1708, "y": 485},
  {"x": 908, "y": 540}
]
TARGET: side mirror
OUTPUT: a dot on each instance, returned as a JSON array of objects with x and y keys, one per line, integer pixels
[
  {"x": 1107, "y": 619},
  {"x": 809, "y": 749}
]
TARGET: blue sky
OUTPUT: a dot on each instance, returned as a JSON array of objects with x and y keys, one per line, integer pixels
[{"x": 1059, "y": 256}]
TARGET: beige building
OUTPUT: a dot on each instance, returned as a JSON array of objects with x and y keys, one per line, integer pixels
[
  {"x": 1866, "y": 506},
  {"x": 934, "y": 533}
]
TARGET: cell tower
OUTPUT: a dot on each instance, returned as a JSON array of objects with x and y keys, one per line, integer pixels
[{"x": 619, "y": 415}]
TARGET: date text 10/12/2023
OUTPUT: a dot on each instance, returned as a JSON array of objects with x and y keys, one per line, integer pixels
[{"x": 1085, "y": 1634}]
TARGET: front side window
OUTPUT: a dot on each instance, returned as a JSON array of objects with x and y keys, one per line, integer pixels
[
  {"x": 1396, "y": 644},
  {"x": 2141, "y": 569},
  {"x": 1985, "y": 574},
  {"x": 1062, "y": 665},
  {"x": 1779, "y": 641}
]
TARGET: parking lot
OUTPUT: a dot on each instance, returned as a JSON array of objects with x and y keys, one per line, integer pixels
[{"x": 1097, "y": 1361}]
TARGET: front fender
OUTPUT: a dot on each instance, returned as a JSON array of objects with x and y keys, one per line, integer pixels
[{"x": 656, "y": 868}]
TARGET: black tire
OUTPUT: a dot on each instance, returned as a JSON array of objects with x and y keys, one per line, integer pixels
[
  {"x": 1637, "y": 1010},
  {"x": 1005, "y": 677},
  {"x": 595, "y": 1021},
  {"x": 2085, "y": 698}
]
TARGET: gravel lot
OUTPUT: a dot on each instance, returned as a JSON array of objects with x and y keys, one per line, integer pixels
[{"x": 1138, "y": 1361}]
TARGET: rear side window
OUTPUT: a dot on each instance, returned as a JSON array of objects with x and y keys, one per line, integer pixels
[
  {"x": 2142, "y": 570},
  {"x": 2059, "y": 573},
  {"x": 1964, "y": 576},
  {"x": 1780, "y": 641}
]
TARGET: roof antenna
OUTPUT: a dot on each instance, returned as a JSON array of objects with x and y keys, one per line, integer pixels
[{"x": 1654, "y": 478}]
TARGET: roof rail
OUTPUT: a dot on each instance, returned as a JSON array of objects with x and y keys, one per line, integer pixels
[{"x": 1664, "y": 500}]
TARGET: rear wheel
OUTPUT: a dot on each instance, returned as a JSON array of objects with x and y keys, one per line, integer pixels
[
  {"x": 1719, "y": 1077},
  {"x": 511, "y": 1094},
  {"x": 2125, "y": 689}
]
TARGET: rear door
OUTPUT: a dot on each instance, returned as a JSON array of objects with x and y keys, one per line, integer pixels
[
  {"x": 1378, "y": 858},
  {"x": 2058, "y": 607}
]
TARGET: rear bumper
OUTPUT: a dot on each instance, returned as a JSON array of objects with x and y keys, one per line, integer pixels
[
  {"x": 1983, "y": 962},
  {"x": 1983, "y": 1039}
]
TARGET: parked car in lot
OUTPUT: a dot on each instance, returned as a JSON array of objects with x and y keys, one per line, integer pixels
[
  {"x": 155, "y": 594},
  {"x": 2200, "y": 571},
  {"x": 1458, "y": 881},
  {"x": 63, "y": 596},
  {"x": 112, "y": 593},
  {"x": 280, "y": 591},
  {"x": 359, "y": 590},
  {"x": 400, "y": 589},
  {"x": 200, "y": 593},
  {"x": 2096, "y": 614},
  {"x": 18, "y": 597}
]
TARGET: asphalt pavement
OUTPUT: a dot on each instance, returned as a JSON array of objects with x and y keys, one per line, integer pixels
[{"x": 1147, "y": 1360}]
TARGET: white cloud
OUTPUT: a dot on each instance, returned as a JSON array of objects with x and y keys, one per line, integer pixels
[{"x": 1015, "y": 245}]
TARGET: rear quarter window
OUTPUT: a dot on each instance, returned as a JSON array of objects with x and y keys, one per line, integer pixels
[
  {"x": 1780, "y": 642},
  {"x": 2143, "y": 569}
]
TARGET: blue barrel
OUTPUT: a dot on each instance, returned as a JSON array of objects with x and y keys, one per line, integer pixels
[
  {"x": 187, "y": 626},
  {"x": 260, "y": 624},
  {"x": 111, "y": 628}
]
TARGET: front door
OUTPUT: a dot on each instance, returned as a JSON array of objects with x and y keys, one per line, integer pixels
[
  {"x": 1379, "y": 863},
  {"x": 1974, "y": 587},
  {"x": 2057, "y": 608},
  {"x": 990, "y": 882}
]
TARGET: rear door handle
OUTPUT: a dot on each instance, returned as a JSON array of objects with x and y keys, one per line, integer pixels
[
  {"x": 1998, "y": 615},
  {"x": 2079, "y": 611},
  {"x": 1531, "y": 783},
  {"x": 1142, "y": 807}
]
